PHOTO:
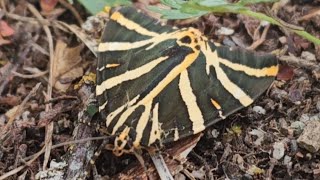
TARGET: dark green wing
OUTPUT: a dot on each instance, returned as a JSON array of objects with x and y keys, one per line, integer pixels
[{"x": 155, "y": 83}]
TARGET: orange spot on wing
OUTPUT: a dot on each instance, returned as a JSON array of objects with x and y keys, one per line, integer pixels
[
  {"x": 124, "y": 134},
  {"x": 116, "y": 15},
  {"x": 215, "y": 104},
  {"x": 272, "y": 71},
  {"x": 112, "y": 65}
]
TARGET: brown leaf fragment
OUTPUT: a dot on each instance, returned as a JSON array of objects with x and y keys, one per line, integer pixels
[
  {"x": 300, "y": 43},
  {"x": 285, "y": 73},
  {"x": 10, "y": 100},
  {"x": 67, "y": 65},
  {"x": 48, "y": 5},
  {"x": 5, "y": 29}
]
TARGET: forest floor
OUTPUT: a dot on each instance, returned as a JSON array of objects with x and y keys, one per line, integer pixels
[{"x": 45, "y": 53}]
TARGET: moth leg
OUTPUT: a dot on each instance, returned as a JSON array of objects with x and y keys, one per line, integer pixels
[
  {"x": 95, "y": 157},
  {"x": 123, "y": 142}
]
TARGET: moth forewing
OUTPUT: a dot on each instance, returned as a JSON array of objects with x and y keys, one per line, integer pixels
[{"x": 163, "y": 84}]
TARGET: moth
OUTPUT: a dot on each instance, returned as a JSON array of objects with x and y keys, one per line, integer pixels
[{"x": 157, "y": 84}]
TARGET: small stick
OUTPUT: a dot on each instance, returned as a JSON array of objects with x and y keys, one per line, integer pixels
[
  {"x": 30, "y": 76},
  {"x": 161, "y": 166},
  {"x": 73, "y": 11},
  {"x": 49, "y": 128}
]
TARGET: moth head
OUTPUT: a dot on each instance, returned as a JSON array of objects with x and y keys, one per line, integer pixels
[{"x": 192, "y": 38}]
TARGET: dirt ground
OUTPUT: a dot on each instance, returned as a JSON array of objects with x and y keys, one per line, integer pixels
[{"x": 47, "y": 78}]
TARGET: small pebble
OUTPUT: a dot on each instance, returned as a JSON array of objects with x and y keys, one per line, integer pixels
[
  {"x": 215, "y": 133},
  {"x": 180, "y": 176},
  {"x": 309, "y": 156},
  {"x": 304, "y": 118},
  {"x": 310, "y": 137},
  {"x": 225, "y": 31},
  {"x": 283, "y": 39},
  {"x": 199, "y": 174},
  {"x": 308, "y": 56},
  {"x": 286, "y": 160},
  {"x": 259, "y": 110},
  {"x": 297, "y": 126},
  {"x": 278, "y": 150}
]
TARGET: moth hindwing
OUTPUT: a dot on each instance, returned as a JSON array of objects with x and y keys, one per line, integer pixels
[{"x": 157, "y": 84}]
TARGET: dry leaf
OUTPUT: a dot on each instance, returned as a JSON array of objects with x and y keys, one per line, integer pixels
[
  {"x": 10, "y": 100},
  {"x": 285, "y": 73},
  {"x": 12, "y": 112},
  {"x": 48, "y": 5},
  {"x": 4, "y": 42},
  {"x": 67, "y": 65},
  {"x": 5, "y": 29}
]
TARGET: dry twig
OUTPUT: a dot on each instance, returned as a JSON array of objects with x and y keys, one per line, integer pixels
[
  {"x": 73, "y": 11},
  {"x": 258, "y": 42},
  {"x": 30, "y": 76},
  {"x": 49, "y": 128},
  {"x": 298, "y": 62}
]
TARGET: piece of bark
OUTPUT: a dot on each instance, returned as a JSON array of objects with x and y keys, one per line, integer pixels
[{"x": 82, "y": 153}]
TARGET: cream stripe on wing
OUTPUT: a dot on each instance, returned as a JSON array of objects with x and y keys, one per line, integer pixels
[
  {"x": 128, "y": 75},
  {"x": 142, "y": 123},
  {"x": 124, "y": 46},
  {"x": 113, "y": 114},
  {"x": 267, "y": 71},
  {"x": 212, "y": 59},
  {"x": 148, "y": 99},
  {"x": 155, "y": 130},
  {"x": 176, "y": 134},
  {"x": 124, "y": 116},
  {"x": 131, "y": 25},
  {"x": 232, "y": 88},
  {"x": 188, "y": 60},
  {"x": 190, "y": 100},
  {"x": 103, "y": 106}
]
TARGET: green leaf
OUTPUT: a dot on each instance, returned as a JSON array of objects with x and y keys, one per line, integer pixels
[
  {"x": 196, "y": 8},
  {"x": 218, "y": 9},
  {"x": 175, "y": 14},
  {"x": 212, "y": 3},
  {"x": 176, "y": 4},
  {"x": 246, "y": 2},
  {"x": 193, "y": 11},
  {"x": 96, "y": 6}
]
